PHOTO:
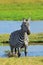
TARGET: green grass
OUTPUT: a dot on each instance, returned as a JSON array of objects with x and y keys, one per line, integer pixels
[
  {"x": 22, "y": 61},
  {"x": 4, "y": 37},
  {"x": 36, "y": 38},
  {"x": 19, "y": 1},
  {"x": 18, "y": 11},
  {"x": 33, "y": 38}
]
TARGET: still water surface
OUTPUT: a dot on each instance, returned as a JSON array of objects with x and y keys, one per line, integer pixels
[
  {"x": 10, "y": 26},
  {"x": 33, "y": 50}
]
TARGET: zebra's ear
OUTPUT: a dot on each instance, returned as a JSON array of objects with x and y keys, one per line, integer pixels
[{"x": 29, "y": 19}]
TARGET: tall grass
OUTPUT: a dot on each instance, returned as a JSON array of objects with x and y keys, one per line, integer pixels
[
  {"x": 22, "y": 61},
  {"x": 36, "y": 38},
  {"x": 19, "y": 1},
  {"x": 18, "y": 9},
  {"x": 4, "y": 37}
]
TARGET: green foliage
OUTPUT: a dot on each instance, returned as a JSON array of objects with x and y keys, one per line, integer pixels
[{"x": 17, "y": 11}]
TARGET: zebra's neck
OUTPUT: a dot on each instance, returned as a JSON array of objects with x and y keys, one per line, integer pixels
[{"x": 22, "y": 34}]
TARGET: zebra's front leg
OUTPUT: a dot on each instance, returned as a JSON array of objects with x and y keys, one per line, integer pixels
[
  {"x": 19, "y": 52},
  {"x": 25, "y": 50},
  {"x": 15, "y": 50}
]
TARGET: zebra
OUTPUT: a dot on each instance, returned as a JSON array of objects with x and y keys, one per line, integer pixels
[{"x": 19, "y": 38}]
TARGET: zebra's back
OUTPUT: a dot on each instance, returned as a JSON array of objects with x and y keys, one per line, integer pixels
[{"x": 14, "y": 39}]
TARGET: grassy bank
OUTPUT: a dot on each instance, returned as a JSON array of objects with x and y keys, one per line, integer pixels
[
  {"x": 36, "y": 38},
  {"x": 18, "y": 9},
  {"x": 22, "y": 61},
  {"x": 33, "y": 38}
]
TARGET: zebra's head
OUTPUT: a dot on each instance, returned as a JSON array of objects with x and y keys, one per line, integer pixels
[{"x": 26, "y": 26}]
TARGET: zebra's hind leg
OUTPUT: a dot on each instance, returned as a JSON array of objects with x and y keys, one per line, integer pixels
[
  {"x": 25, "y": 50},
  {"x": 11, "y": 54},
  {"x": 19, "y": 52}
]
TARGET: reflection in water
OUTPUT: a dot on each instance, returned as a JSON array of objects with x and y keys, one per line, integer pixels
[{"x": 33, "y": 50}]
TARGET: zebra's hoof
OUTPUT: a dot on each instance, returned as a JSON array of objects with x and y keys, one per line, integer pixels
[{"x": 10, "y": 54}]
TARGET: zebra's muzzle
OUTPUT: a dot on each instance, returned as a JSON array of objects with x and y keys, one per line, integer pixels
[{"x": 28, "y": 32}]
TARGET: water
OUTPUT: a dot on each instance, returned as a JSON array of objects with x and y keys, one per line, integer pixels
[
  {"x": 33, "y": 50},
  {"x": 10, "y": 26}
]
